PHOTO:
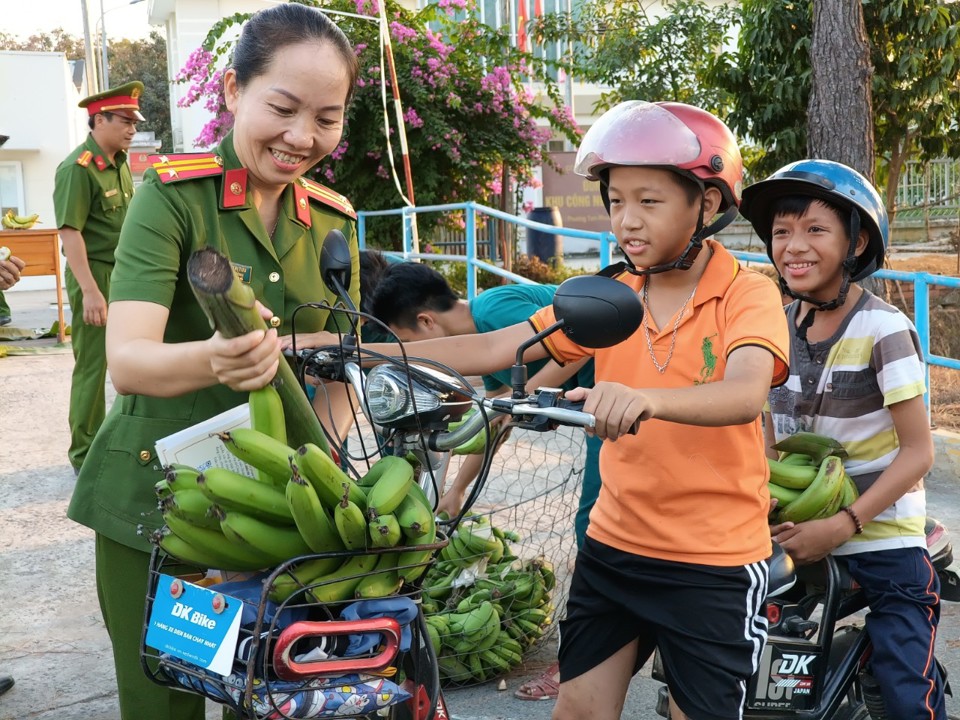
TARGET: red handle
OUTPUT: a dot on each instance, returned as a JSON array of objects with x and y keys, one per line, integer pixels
[{"x": 288, "y": 669}]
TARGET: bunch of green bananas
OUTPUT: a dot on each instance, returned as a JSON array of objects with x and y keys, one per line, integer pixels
[
  {"x": 12, "y": 221},
  {"x": 480, "y": 629},
  {"x": 809, "y": 481},
  {"x": 298, "y": 502}
]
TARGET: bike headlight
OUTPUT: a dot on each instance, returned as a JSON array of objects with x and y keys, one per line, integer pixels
[{"x": 389, "y": 398}]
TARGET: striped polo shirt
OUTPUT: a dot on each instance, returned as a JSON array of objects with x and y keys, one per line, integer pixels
[{"x": 843, "y": 387}]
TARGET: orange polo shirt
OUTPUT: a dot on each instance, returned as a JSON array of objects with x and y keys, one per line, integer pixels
[{"x": 682, "y": 492}]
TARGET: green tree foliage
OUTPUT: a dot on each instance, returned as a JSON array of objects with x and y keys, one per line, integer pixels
[
  {"x": 915, "y": 52},
  {"x": 143, "y": 60},
  {"x": 638, "y": 55},
  {"x": 146, "y": 61},
  {"x": 58, "y": 40}
]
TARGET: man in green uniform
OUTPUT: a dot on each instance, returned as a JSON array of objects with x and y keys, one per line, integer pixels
[{"x": 92, "y": 191}]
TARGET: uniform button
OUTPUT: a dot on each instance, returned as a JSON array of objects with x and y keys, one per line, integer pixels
[
  {"x": 144, "y": 455},
  {"x": 274, "y": 277},
  {"x": 274, "y": 322},
  {"x": 810, "y": 381},
  {"x": 126, "y": 195}
]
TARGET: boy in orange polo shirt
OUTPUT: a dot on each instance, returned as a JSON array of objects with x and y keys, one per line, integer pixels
[{"x": 675, "y": 551}]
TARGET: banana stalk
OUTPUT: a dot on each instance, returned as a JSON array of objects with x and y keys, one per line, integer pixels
[{"x": 231, "y": 309}]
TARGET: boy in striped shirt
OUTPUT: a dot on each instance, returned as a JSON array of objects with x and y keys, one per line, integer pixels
[{"x": 857, "y": 376}]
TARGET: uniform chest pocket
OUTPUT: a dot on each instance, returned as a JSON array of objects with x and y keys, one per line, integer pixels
[
  {"x": 850, "y": 384},
  {"x": 113, "y": 202}
]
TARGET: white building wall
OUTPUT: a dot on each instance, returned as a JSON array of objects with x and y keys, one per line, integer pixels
[
  {"x": 41, "y": 137},
  {"x": 187, "y": 23}
]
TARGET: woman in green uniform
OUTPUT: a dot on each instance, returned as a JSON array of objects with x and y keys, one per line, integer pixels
[{"x": 292, "y": 77}]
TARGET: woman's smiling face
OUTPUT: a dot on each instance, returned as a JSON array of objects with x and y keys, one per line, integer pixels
[{"x": 290, "y": 117}]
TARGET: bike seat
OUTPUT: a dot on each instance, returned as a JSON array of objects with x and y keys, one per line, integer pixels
[{"x": 782, "y": 572}]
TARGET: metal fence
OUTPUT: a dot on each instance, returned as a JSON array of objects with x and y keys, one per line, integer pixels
[
  {"x": 929, "y": 190},
  {"x": 921, "y": 281}
]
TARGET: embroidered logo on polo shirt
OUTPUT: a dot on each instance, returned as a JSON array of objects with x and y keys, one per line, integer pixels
[
  {"x": 709, "y": 361},
  {"x": 243, "y": 272}
]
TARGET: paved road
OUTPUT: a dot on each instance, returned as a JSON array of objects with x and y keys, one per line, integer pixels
[{"x": 51, "y": 637}]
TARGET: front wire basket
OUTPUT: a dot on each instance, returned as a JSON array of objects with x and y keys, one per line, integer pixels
[{"x": 272, "y": 678}]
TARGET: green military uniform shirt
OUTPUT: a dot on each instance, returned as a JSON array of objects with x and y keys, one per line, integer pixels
[
  {"x": 202, "y": 200},
  {"x": 91, "y": 194}
]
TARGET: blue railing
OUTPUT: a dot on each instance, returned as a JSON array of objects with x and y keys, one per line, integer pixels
[{"x": 606, "y": 240}]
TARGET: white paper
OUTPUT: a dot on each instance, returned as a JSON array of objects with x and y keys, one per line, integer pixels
[{"x": 198, "y": 445}]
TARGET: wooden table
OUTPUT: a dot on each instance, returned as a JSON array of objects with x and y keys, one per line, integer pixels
[{"x": 40, "y": 250}]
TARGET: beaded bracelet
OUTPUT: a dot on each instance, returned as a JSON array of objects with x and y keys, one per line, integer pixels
[{"x": 856, "y": 520}]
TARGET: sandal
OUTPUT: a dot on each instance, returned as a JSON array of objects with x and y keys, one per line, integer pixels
[{"x": 544, "y": 687}]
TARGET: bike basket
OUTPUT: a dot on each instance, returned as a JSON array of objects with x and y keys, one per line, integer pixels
[{"x": 299, "y": 653}]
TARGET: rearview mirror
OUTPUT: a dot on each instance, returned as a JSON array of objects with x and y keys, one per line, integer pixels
[{"x": 597, "y": 311}]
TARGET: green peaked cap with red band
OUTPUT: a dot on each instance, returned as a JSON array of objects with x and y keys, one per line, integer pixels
[{"x": 123, "y": 100}]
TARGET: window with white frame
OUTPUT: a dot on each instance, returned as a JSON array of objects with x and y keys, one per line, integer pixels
[{"x": 11, "y": 186}]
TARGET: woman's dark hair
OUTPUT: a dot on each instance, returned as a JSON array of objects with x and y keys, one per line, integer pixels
[{"x": 272, "y": 29}]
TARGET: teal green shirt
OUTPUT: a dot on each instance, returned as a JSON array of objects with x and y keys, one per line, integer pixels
[
  {"x": 167, "y": 222},
  {"x": 506, "y": 305}
]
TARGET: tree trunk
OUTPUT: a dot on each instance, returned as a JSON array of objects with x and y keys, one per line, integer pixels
[{"x": 840, "y": 109}]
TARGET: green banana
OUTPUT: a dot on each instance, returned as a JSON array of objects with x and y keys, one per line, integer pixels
[
  {"x": 181, "y": 477},
  {"x": 260, "y": 451},
  {"x": 785, "y": 475},
  {"x": 389, "y": 491},
  {"x": 384, "y": 531},
  {"x": 350, "y": 523},
  {"x": 411, "y": 564},
  {"x": 434, "y": 636},
  {"x": 476, "y": 444},
  {"x": 312, "y": 519},
  {"x": 381, "y": 466},
  {"x": 214, "y": 543},
  {"x": 383, "y": 581},
  {"x": 783, "y": 495},
  {"x": 818, "y": 447},
  {"x": 789, "y": 458},
  {"x": 415, "y": 518},
  {"x": 342, "y": 582},
  {"x": 192, "y": 506},
  {"x": 478, "y": 538},
  {"x": 476, "y": 667},
  {"x": 326, "y": 477},
  {"x": 162, "y": 489},
  {"x": 849, "y": 492},
  {"x": 494, "y": 662},
  {"x": 176, "y": 547},
  {"x": 299, "y": 577},
  {"x": 234, "y": 491},
  {"x": 266, "y": 416},
  {"x": 478, "y": 618},
  {"x": 266, "y": 413},
  {"x": 279, "y": 543},
  {"x": 548, "y": 574},
  {"x": 821, "y": 492},
  {"x": 453, "y": 669}
]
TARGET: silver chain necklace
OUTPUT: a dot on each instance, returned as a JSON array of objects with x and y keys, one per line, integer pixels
[{"x": 676, "y": 326}]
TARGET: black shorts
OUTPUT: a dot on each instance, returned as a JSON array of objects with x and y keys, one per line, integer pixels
[{"x": 708, "y": 623}]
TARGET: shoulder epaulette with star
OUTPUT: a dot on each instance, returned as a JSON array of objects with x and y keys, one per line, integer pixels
[
  {"x": 316, "y": 191},
  {"x": 188, "y": 166},
  {"x": 84, "y": 158}
]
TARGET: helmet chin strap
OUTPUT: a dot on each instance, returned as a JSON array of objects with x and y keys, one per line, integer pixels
[
  {"x": 846, "y": 269},
  {"x": 691, "y": 252}
]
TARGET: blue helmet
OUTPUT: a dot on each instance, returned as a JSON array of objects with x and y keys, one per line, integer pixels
[{"x": 836, "y": 184}]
